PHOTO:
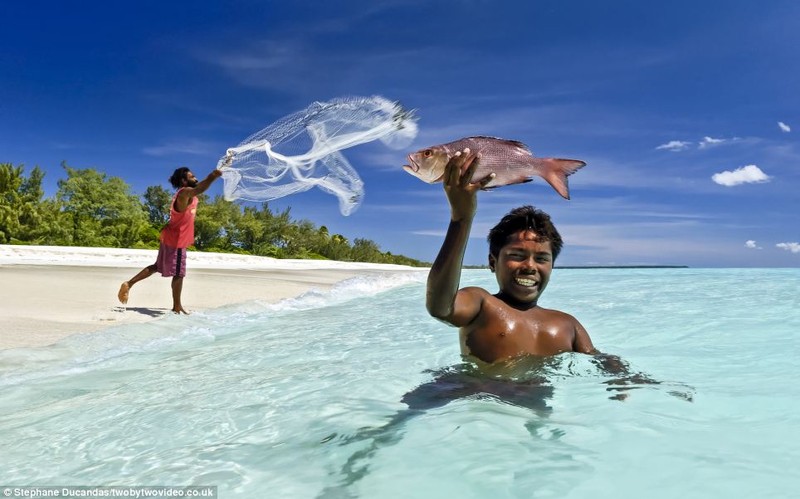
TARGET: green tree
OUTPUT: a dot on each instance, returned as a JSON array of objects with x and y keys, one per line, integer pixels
[
  {"x": 214, "y": 224},
  {"x": 157, "y": 206},
  {"x": 303, "y": 240},
  {"x": 251, "y": 234},
  {"x": 157, "y": 203},
  {"x": 365, "y": 250},
  {"x": 102, "y": 211},
  {"x": 338, "y": 248},
  {"x": 21, "y": 208},
  {"x": 277, "y": 233},
  {"x": 11, "y": 179},
  {"x": 54, "y": 226}
]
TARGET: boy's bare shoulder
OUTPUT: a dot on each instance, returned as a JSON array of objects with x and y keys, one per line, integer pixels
[
  {"x": 476, "y": 293},
  {"x": 475, "y": 290},
  {"x": 559, "y": 316},
  {"x": 558, "y": 313}
]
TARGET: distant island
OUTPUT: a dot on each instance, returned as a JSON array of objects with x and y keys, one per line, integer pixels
[
  {"x": 622, "y": 267},
  {"x": 599, "y": 267}
]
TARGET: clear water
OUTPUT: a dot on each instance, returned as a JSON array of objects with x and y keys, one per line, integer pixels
[{"x": 305, "y": 398}]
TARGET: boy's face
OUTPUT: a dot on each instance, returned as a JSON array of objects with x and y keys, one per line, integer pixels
[{"x": 523, "y": 266}]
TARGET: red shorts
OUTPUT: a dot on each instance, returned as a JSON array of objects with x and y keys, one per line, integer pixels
[{"x": 171, "y": 262}]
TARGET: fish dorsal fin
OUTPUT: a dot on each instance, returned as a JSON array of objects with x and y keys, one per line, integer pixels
[{"x": 509, "y": 142}]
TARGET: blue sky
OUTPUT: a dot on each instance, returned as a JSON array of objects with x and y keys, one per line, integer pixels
[{"x": 661, "y": 99}]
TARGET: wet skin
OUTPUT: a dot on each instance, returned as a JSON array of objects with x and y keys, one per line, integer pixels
[{"x": 510, "y": 323}]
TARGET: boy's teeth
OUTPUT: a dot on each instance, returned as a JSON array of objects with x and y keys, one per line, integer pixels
[{"x": 525, "y": 282}]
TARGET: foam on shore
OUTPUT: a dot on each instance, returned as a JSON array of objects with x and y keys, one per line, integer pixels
[{"x": 123, "y": 257}]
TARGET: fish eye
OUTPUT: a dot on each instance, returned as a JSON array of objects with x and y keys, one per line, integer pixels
[{"x": 427, "y": 153}]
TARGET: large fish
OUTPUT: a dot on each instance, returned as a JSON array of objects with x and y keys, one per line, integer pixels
[{"x": 511, "y": 162}]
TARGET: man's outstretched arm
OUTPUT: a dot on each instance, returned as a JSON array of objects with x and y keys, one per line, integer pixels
[{"x": 203, "y": 185}]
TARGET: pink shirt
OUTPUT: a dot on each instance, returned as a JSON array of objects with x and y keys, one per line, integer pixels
[{"x": 179, "y": 232}]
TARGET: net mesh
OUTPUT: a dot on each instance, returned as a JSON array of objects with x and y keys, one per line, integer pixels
[{"x": 302, "y": 150}]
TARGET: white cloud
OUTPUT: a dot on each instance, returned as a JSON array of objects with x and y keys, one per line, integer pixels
[
  {"x": 752, "y": 244},
  {"x": 674, "y": 145},
  {"x": 793, "y": 247},
  {"x": 190, "y": 146},
  {"x": 745, "y": 175},
  {"x": 710, "y": 142},
  {"x": 784, "y": 127}
]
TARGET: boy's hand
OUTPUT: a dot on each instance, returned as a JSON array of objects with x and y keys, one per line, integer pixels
[{"x": 461, "y": 193}]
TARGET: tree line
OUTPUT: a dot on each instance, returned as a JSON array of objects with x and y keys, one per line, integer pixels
[{"x": 93, "y": 209}]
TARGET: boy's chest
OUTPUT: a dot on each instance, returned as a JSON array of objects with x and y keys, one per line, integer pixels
[{"x": 503, "y": 333}]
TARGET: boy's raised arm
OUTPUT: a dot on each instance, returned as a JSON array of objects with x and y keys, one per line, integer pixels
[{"x": 444, "y": 301}]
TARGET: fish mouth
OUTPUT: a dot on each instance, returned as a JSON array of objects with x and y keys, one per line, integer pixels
[
  {"x": 421, "y": 173},
  {"x": 412, "y": 166}
]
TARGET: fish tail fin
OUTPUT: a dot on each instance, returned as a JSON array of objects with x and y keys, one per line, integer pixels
[{"x": 556, "y": 173}]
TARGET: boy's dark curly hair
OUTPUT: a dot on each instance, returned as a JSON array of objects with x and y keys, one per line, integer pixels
[
  {"x": 525, "y": 217},
  {"x": 177, "y": 176}
]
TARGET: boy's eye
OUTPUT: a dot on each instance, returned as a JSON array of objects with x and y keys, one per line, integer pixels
[{"x": 543, "y": 258}]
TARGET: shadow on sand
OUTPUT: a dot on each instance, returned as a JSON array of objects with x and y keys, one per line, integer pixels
[{"x": 150, "y": 312}]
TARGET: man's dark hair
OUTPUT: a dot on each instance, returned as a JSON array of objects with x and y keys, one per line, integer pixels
[
  {"x": 177, "y": 176},
  {"x": 522, "y": 218}
]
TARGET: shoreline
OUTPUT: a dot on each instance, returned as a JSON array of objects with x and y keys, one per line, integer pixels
[{"x": 49, "y": 293}]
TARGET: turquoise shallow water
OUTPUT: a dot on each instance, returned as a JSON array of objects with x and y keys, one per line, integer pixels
[{"x": 358, "y": 393}]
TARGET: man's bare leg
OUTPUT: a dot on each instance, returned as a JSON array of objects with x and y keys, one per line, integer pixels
[
  {"x": 177, "y": 287},
  {"x": 126, "y": 286}
]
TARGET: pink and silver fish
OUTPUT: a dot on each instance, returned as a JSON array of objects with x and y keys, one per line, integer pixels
[{"x": 511, "y": 162}]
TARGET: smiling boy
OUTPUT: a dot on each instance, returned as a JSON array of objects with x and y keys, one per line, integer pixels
[{"x": 522, "y": 249}]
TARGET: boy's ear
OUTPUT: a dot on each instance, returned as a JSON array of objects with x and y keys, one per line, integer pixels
[{"x": 492, "y": 262}]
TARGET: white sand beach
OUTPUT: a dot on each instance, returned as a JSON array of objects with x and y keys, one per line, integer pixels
[{"x": 50, "y": 292}]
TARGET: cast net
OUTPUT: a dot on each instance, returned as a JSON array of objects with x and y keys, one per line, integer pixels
[{"x": 302, "y": 150}]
